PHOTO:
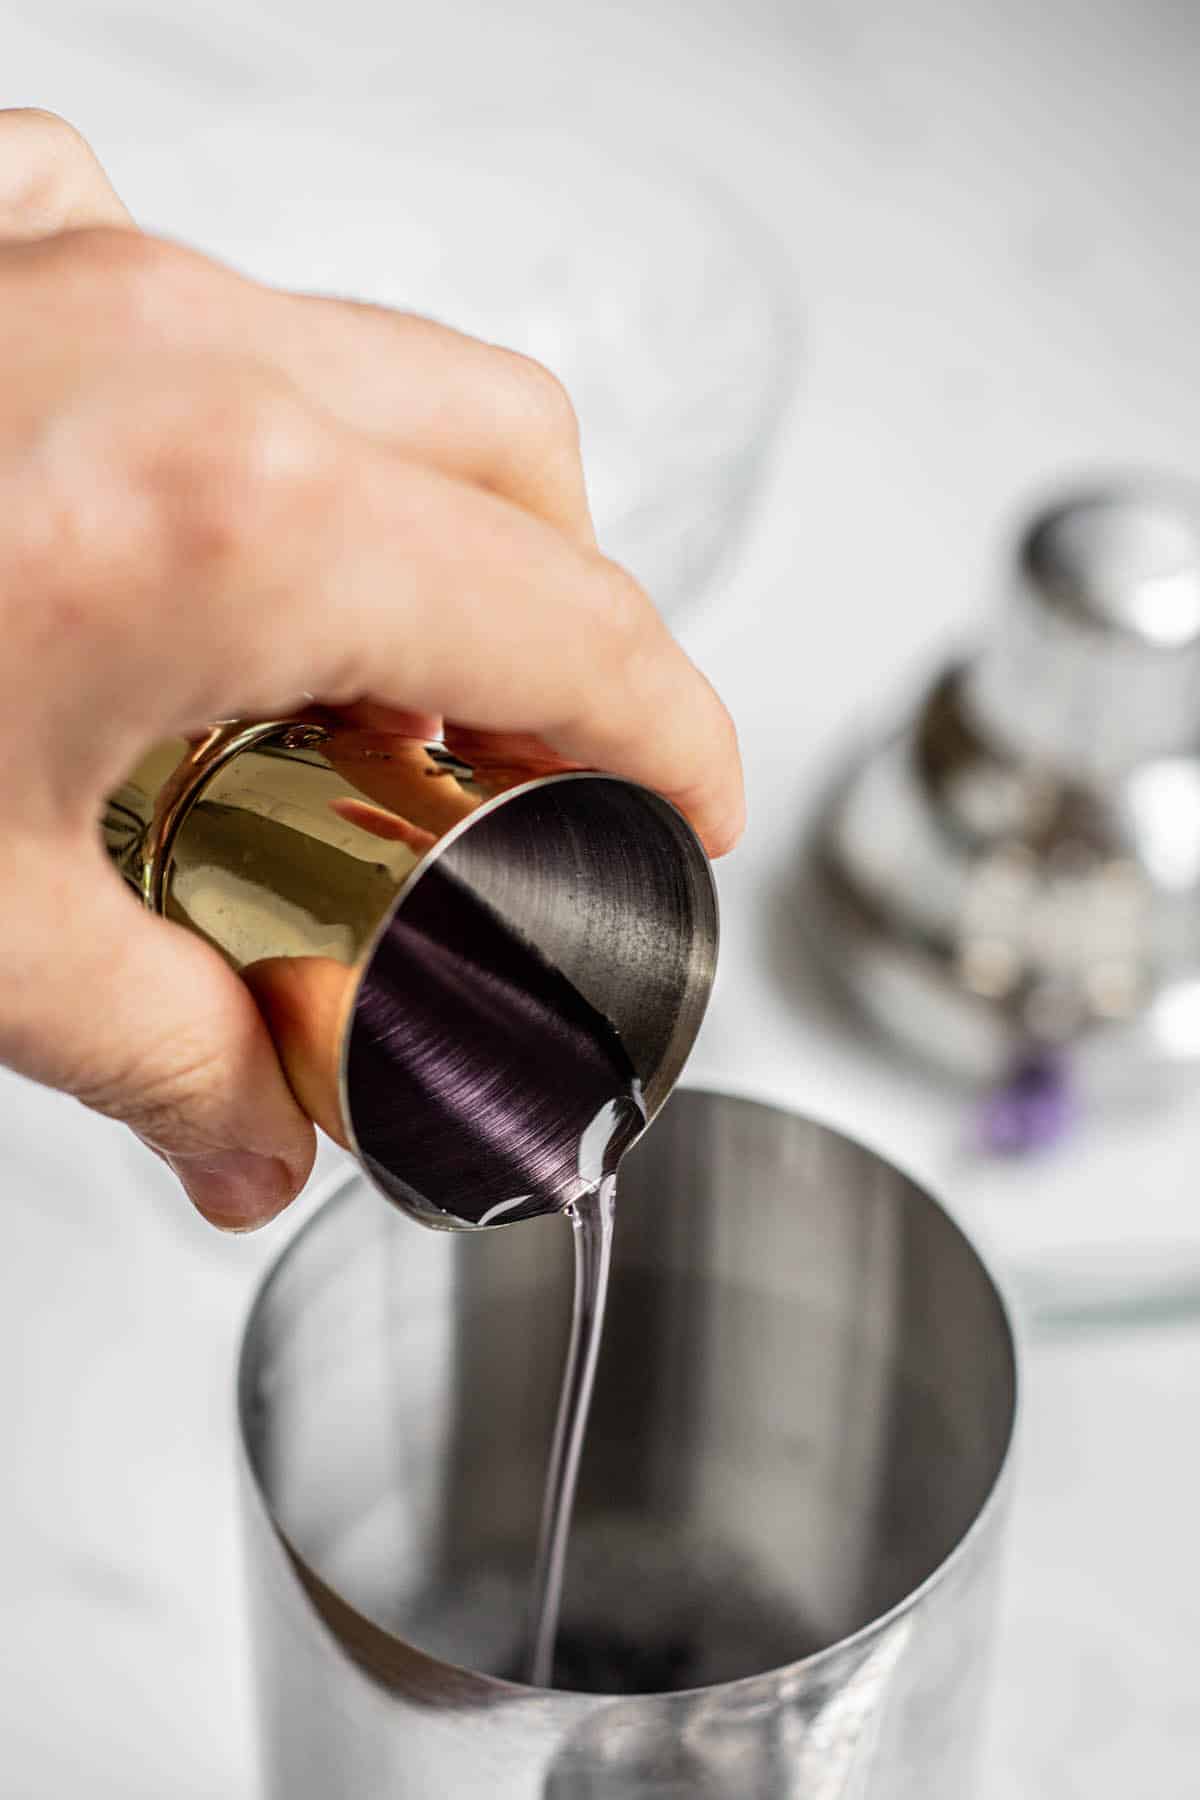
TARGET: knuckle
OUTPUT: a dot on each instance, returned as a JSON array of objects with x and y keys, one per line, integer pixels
[
  {"x": 44, "y": 163},
  {"x": 38, "y": 148},
  {"x": 165, "y": 1099},
  {"x": 37, "y": 128},
  {"x": 627, "y": 618},
  {"x": 172, "y": 499},
  {"x": 544, "y": 408},
  {"x": 254, "y": 461},
  {"x": 727, "y": 732},
  {"x": 125, "y": 278},
  {"x": 71, "y": 551}
]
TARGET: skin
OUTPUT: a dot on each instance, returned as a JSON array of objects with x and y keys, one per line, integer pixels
[{"x": 215, "y": 500}]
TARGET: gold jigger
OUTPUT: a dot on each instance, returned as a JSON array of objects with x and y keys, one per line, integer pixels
[{"x": 469, "y": 970}]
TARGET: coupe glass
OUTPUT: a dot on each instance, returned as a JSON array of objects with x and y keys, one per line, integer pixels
[{"x": 665, "y": 307}]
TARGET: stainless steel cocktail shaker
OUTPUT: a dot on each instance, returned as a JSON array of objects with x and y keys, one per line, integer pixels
[
  {"x": 1015, "y": 871},
  {"x": 788, "y": 1529},
  {"x": 478, "y": 961}
]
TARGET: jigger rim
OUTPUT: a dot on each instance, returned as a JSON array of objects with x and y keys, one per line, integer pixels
[{"x": 657, "y": 1084}]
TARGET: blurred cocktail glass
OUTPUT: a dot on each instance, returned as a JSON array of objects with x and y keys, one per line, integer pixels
[{"x": 656, "y": 295}]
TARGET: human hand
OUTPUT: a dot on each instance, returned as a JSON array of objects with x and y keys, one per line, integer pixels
[{"x": 215, "y": 499}]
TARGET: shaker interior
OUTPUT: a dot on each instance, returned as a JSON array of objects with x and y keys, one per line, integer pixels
[{"x": 805, "y": 1398}]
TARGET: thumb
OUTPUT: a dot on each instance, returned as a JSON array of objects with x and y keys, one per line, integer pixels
[{"x": 145, "y": 1023}]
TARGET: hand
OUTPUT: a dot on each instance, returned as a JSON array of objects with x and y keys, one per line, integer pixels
[{"x": 214, "y": 499}]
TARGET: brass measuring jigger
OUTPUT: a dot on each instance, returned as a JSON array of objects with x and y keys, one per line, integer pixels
[{"x": 492, "y": 971}]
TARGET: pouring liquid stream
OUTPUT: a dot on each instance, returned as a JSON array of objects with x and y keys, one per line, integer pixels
[
  {"x": 592, "y": 1220},
  {"x": 592, "y": 1216}
]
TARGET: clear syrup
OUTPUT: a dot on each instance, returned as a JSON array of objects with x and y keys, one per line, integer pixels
[{"x": 592, "y": 1218}]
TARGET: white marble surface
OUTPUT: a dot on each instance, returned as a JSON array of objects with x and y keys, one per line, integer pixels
[{"x": 990, "y": 217}]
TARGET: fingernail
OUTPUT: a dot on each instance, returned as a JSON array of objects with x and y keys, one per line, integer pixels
[{"x": 236, "y": 1190}]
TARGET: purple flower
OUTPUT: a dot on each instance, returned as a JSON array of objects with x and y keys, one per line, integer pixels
[{"x": 1031, "y": 1110}]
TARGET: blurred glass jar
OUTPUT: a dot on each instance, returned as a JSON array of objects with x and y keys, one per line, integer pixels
[{"x": 657, "y": 298}]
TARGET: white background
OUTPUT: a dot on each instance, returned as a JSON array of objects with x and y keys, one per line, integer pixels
[{"x": 991, "y": 217}]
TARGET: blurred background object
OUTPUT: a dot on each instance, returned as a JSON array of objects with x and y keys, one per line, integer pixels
[
  {"x": 987, "y": 219},
  {"x": 1010, "y": 884},
  {"x": 652, "y": 292}
]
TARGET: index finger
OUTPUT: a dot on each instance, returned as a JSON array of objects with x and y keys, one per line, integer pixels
[
  {"x": 507, "y": 627},
  {"x": 345, "y": 570}
]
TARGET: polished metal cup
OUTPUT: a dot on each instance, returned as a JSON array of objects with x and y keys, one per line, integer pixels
[
  {"x": 1011, "y": 875},
  {"x": 780, "y": 1577},
  {"x": 470, "y": 967}
]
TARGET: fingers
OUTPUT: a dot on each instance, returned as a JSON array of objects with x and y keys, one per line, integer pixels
[
  {"x": 305, "y": 1000},
  {"x": 484, "y": 415},
  {"x": 487, "y": 415},
  {"x": 146, "y": 1024},
  {"x": 439, "y": 597},
  {"x": 50, "y": 179},
  {"x": 481, "y": 414},
  {"x": 319, "y": 561},
  {"x": 233, "y": 548},
  {"x": 253, "y": 537},
  {"x": 220, "y": 498}
]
